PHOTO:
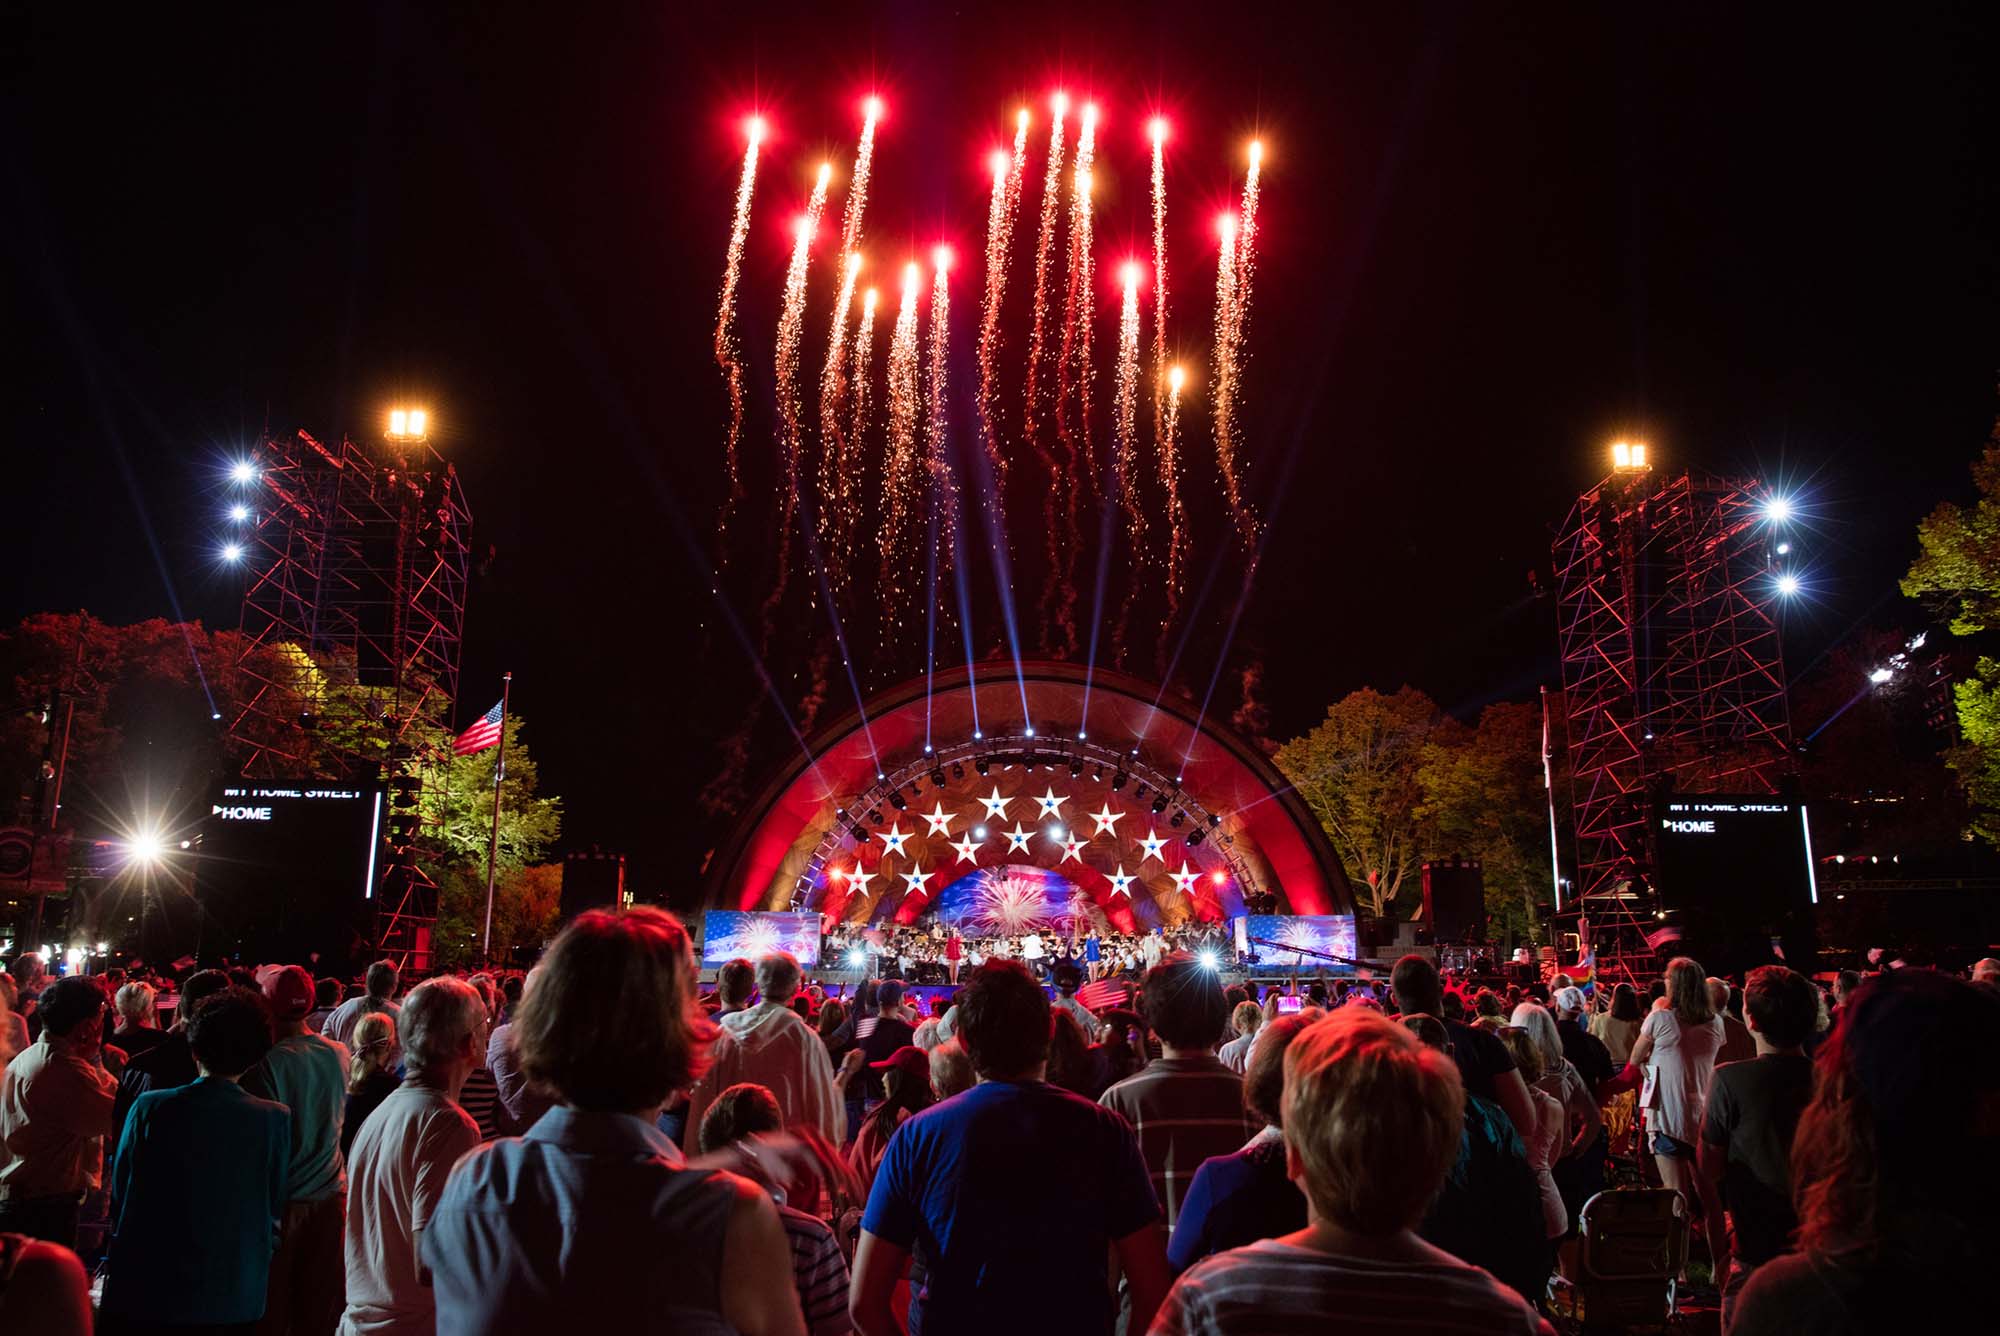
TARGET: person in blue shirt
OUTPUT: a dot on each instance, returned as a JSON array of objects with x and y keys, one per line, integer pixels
[
  {"x": 198, "y": 1187},
  {"x": 952, "y": 1188}
]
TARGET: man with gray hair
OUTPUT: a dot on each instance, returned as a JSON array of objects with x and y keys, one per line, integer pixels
[
  {"x": 771, "y": 1045},
  {"x": 402, "y": 1156}
]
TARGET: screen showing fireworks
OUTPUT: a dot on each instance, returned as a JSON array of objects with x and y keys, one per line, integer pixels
[
  {"x": 728, "y": 934},
  {"x": 1282, "y": 941},
  {"x": 1010, "y": 900}
]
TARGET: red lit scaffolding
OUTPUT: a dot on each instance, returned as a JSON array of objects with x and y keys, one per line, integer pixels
[
  {"x": 354, "y": 609},
  {"x": 1673, "y": 678}
]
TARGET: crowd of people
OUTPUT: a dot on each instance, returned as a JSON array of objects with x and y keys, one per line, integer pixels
[
  {"x": 604, "y": 1141},
  {"x": 935, "y": 952}
]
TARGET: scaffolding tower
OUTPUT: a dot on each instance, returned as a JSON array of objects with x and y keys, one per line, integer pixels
[
  {"x": 359, "y": 560},
  {"x": 1673, "y": 677}
]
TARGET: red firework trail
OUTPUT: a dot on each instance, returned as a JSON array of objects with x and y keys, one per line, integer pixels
[
  {"x": 900, "y": 468},
  {"x": 944, "y": 487},
  {"x": 1045, "y": 240},
  {"x": 1159, "y": 133},
  {"x": 1125, "y": 460},
  {"x": 833, "y": 462},
  {"x": 855, "y": 474},
  {"x": 725, "y": 329},
  {"x": 1225, "y": 374},
  {"x": 1177, "y": 538},
  {"x": 791, "y": 324},
  {"x": 999, "y": 242},
  {"x": 1073, "y": 374}
]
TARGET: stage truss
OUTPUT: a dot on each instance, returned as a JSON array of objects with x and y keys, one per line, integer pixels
[
  {"x": 1673, "y": 677},
  {"x": 353, "y": 614}
]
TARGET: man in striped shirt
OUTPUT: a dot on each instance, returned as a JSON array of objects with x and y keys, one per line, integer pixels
[
  {"x": 1372, "y": 1121},
  {"x": 1184, "y": 1106}
]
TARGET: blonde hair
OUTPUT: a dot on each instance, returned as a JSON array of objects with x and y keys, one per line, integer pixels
[
  {"x": 1687, "y": 991},
  {"x": 1527, "y": 1053},
  {"x": 1246, "y": 1019},
  {"x": 134, "y": 1002},
  {"x": 1373, "y": 1116},
  {"x": 374, "y": 1041}
]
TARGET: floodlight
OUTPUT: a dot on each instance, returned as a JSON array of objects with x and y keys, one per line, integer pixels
[
  {"x": 1209, "y": 960},
  {"x": 243, "y": 471},
  {"x": 239, "y": 512},
  {"x": 145, "y": 848},
  {"x": 1778, "y": 509},
  {"x": 1881, "y": 675},
  {"x": 857, "y": 958},
  {"x": 232, "y": 552},
  {"x": 1788, "y": 584}
]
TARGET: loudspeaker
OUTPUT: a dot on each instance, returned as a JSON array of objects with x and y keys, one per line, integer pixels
[
  {"x": 1455, "y": 900},
  {"x": 592, "y": 880}
]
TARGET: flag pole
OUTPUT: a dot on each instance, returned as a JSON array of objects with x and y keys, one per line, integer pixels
[{"x": 493, "y": 840}]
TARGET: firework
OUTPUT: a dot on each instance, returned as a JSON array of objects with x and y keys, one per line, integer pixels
[
  {"x": 855, "y": 472},
  {"x": 1073, "y": 373},
  {"x": 944, "y": 489},
  {"x": 900, "y": 467},
  {"x": 1159, "y": 135},
  {"x": 833, "y": 463},
  {"x": 1246, "y": 233},
  {"x": 1170, "y": 476},
  {"x": 725, "y": 321},
  {"x": 857, "y": 187},
  {"x": 999, "y": 241},
  {"x": 1225, "y": 375},
  {"x": 1045, "y": 240},
  {"x": 791, "y": 325},
  {"x": 1125, "y": 459}
]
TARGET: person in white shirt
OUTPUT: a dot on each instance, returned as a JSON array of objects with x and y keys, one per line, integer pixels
[
  {"x": 772, "y": 1046},
  {"x": 401, "y": 1158},
  {"x": 379, "y": 995}
]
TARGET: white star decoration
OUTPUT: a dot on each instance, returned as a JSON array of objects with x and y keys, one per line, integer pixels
[
  {"x": 940, "y": 820},
  {"x": 996, "y": 806},
  {"x": 968, "y": 849},
  {"x": 1151, "y": 845},
  {"x": 1072, "y": 849},
  {"x": 893, "y": 838},
  {"x": 1017, "y": 838},
  {"x": 859, "y": 880},
  {"x": 1184, "y": 880},
  {"x": 1106, "y": 819},
  {"x": 1052, "y": 802},
  {"x": 916, "y": 877},
  {"x": 1120, "y": 882}
]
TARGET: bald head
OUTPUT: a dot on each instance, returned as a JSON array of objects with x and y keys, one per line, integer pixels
[{"x": 1987, "y": 971}]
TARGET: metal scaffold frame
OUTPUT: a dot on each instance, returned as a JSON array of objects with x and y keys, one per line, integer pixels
[
  {"x": 1673, "y": 677},
  {"x": 353, "y": 615}
]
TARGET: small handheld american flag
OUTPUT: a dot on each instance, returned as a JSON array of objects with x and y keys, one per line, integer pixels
[{"x": 485, "y": 731}]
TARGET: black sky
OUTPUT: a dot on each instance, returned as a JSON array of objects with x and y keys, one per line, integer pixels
[{"x": 1762, "y": 237}]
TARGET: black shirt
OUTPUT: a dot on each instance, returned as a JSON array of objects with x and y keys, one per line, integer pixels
[
  {"x": 1586, "y": 1052},
  {"x": 1481, "y": 1057},
  {"x": 1753, "y": 1110},
  {"x": 888, "y": 1035}
]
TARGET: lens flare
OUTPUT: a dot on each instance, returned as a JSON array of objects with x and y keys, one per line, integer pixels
[{"x": 726, "y": 356}]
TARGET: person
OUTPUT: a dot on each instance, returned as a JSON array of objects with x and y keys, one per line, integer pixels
[
  {"x": 1677, "y": 1045},
  {"x": 819, "y": 1268},
  {"x": 1619, "y": 1027},
  {"x": 326, "y": 1001},
  {"x": 955, "y": 1185},
  {"x": 28, "y": 978},
  {"x": 1895, "y": 1166},
  {"x": 1067, "y": 980},
  {"x": 170, "y": 1062},
  {"x": 1846, "y": 981},
  {"x": 370, "y": 1078},
  {"x": 56, "y": 1106},
  {"x": 906, "y": 1092},
  {"x": 735, "y": 983},
  {"x": 771, "y": 1046},
  {"x": 1372, "y": 1122},
  {"x": 951, "y": 1068},
  {"x": 379, "y": 994},
  {"x": 1076, "y": 1064},
  {"x": 13, "y": 1025},
  {"x": 1748, "y": 1126},
  {"x": 594, "y": 1214},
  {"x": 43, "y": 1287},
  {"x": 199, "y": 1184},
  {"x": 307, "y": 1073},
  {"x": 1093, "y": 955},
  {"x": 402, "y": 1157},
  {"x": 1184, "y": 1106},
  {"x": 890, "y": 1032},
  {"x": 1985, "y": 973},
  {"x": 138, "y": 1030},
  {"x": 1484, "y": 1065},
  {"x": 520, "y": 1103},
  {"x": 1578, "y": 1161},
  {"x": 1239, "y": 1198},
  {"x": 1551, "y": 1129},
  {"x": 1583, "y": 1050},
  {"x": 1737, "y": 1045},
  {"x": 1244, "y": 1022}
]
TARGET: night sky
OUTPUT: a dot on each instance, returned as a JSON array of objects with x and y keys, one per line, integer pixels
[{"x": 1759, "y": 237}]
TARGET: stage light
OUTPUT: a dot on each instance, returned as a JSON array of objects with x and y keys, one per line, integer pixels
[
  {"x": 1784, "y": 549},
  {"x": 239, "y": 512},
  {"x": 1778, "y": 509},
  {"x": 857, "y": 959},
  {"x": 1160, "y": 805},
  {"x": 1030, "y": 730},
  {"x": 145, "y": 848},
  {"x": 1209, "y": 960},
  {"x": 1219, "y": 877},
  {"x": 958, "y": 770},
  {"x": 937, "y": 777},
  {"x": 232, "y": 552},
  {"x": 1057, "y": 833},
  {"x": 897, "y": 801},
  {"x": 979, "y": 832},
  {"x": 1075, "y": 766},
  {"x": 1118, "y": 779},
  {"x": 1628, "y": 455},
  {"x": 1178, "y": 818},
  {"x": 1788, "y": 584},
  {"x": 243, "y": 471},
  {"x": 408, "y": 424},
  {"x": 73, "y": 957},
  {"x": 1881, "y": 675},
  {"x": 982, "y": 765}
]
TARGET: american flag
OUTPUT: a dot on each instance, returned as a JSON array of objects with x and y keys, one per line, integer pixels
[
  {"x": 485, "y": 731},
  {"x": 1104, "y": 993}
]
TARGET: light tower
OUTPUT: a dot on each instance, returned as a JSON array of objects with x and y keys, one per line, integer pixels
[{"x": 1672, "y": 670}]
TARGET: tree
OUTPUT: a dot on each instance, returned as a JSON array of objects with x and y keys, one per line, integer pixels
[
  {"x": 1957, "y": 573},
  {"x": 1359, "y": 773},
  {"x": 526, "y": 901},
  {"x": 1483, "y": 796}
]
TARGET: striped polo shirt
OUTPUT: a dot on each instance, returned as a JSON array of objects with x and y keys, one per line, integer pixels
[
  {"x": 819, "y": 1271},
  {"x": 1276, "y": 1289},
  {"x": 1183, "y": 1110}
]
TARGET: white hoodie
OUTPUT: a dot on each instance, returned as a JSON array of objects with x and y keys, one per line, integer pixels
[{"x": 770, "y": 1045}]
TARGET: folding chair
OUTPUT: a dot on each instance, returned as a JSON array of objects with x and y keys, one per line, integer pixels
[{"x": 1631, "y": 1246}]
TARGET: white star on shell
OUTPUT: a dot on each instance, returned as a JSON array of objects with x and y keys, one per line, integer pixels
[
  {"x": 1120, "y": 882},
  {"x": 1052, "y": 802},
  {"x": 940, "y": 820},
  {"x": 968, "y": 849},
  {"x": 1151, "y": 846},
  {"x": 1106, "y": 819},
  {"x": 859, "y": 880},
  {"x": 1184, "y": 880},
  {"x": 996, "y": 806},
  {"x": 1072, "y": 849},
  {"x": 894, "y": 838},
  {"x": 1017, "y": 838},
  {"x": 916, "y": 877}
]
